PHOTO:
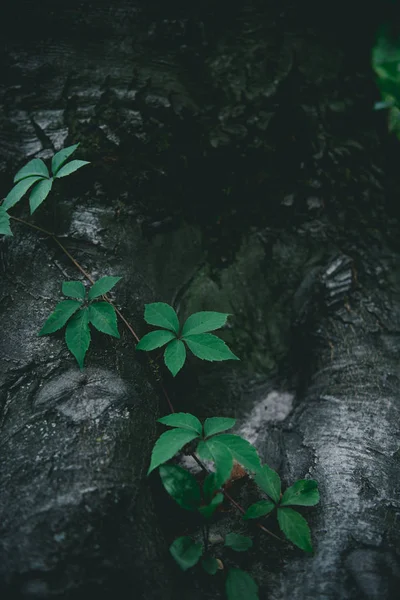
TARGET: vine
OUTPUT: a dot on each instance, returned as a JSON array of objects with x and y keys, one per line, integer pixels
[{"x": 207, "y": 443}]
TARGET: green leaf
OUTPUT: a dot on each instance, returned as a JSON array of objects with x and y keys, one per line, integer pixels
[
  {"x": 208, "y": 510},
  {"x": 18, "y": 191},
  {"x": 209, "y": 564},
  {"x": 175, "y": 356},
  {"x": 201, "y": 322},
  {"x": 168, "y": 444},
  {"x": 102, "y": 286},
  {"x": 209, "y": 347},
  {"x": 77, "y": 335},
  {"x": 217, "y": 424},
  {"x": 60, "y": 157},
  {"x": 259, "y": 509},
  {"x": 181, "y": 485},
  {"x": 103, "y": 316},
  {"x": 34, "y": 167},
  {"x": 223, "y": 460},
  {"x": 270, "y": 482},
  {"x": 203, "y": 451},
  {"x": 209, "y": 486},
  {"x": 4, "y": 222},
  {"x": 62, "y": 312},
  {"x": 186, "y": 552},
  {"x": 182, "y": 420},
  {"x": 302, "y": 493},
  {"x": 240, "y": 586},
  {"x": 70, "y": 167},
  {"x": 162, "y": 315},
  {"x": 237, "y": 542},
  {"x": 39, "y": 194},
  {"x": 243, "y": 452},
  {"x": 295, "y": 527},
  {"x": 74, "y": 289},
  {"x": 155, "y": 339}
]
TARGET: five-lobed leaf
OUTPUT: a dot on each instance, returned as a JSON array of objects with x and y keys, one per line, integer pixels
[
  {"x": 34, "y": 167},
  {"x": 270, "y": 482},
  {"x": 70, "y": 167},
  {"x": 168, "y": 444},
  {"x": 209, "y": 564},
  {"x": 259, "y": 509},
  {"x": 77, "y": 335},
  {"x": 182, "y": 420},
  {"x": 162, "y": 315},
  {"x": 102, "y": 286},
  {"x": 155, "y": 339},
  {"x": 243, "y": 452},
  {"x": 215, "y": 425},
  {"x": 4, "y": 222},
  {"x": 239, "y": 543},
  {"x": 175, "y": 356},
  {"x": 201, "y": 322},
  {"x": 74, "y": 289},
  {"x": 60, "y": 157},
  {"x": 295, "y": 527},
  {"x": 102, "y": 316},
  {"x": 186, "y": 552},
  {"x": 240, "y": 586},
  {"x": 39, "y": 194},
  {"x": 62, "y": 313},
  {"x": 19, "y": 190},
  {"x": 181, "y": 486},
  {"x": 302, "y": 493},
  {"x": 209, "y": 347}
]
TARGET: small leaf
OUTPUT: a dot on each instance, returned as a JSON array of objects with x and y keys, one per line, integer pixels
[
  {"x": 201, "y": 322},
  {"x": 217, "y": 424},
  {"x": 302, "y": 493},
  {"x": 259, "y": 509},
  {"x": 186, "y": 552},
  {"x": 209, "y": 347},
  {"x": 4, "y": 222},
  {"x": 168, "y": 444},
  {"x": 270, "y": 482},
  {"x": 295, "y": 527},
  {"x": 223, "y": 461},
  {"x": 162, "y": 315},
  {"x": 74, "y": 289},
  {"x": 102, "y": 286},
  {"x": 34, "y": 167},
  {"x": 182, "y": 420},
  {"x": 77, "y": 335},
  {"x": 102, "y": 316},
  {"x": 70, "y": 167},
  {"x": 155, "y": 339},
  {"x": 239, "y": 543},
  {"x": 240, "y": 586},
  {"x": 203, "y": 451},
  {"x": 60, "y": 157},
  {"x": 243, "y": 452},
  {"x": 18, "y": 191},
  {"x": 181, "y": 486},
  {"x": 175, "y": 356},
  {"x": 62, "y": 312},
  {"x": 209, "y": 564},
  {"x": 39, "y": 194},
  {"x": 208, "y": 510}
]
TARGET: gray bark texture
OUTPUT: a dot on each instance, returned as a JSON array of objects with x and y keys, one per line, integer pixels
[{"x": 236, "y": 165}]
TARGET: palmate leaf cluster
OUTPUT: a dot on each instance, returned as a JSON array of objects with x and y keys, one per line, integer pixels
[
  {"x": 77, "y": 314},
  {"x": 195, "y": 335},
  {"x": 35, "y": 176}
]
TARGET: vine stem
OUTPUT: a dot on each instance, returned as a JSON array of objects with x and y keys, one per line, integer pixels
[{"x": 132, "y": 331}]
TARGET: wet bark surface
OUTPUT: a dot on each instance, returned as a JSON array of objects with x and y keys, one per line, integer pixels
[{"x": 236, "y": 166}]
